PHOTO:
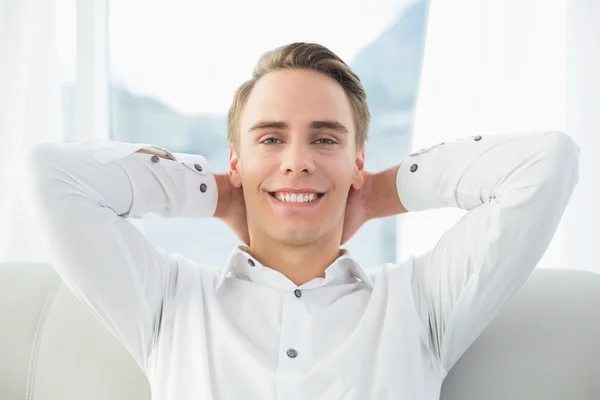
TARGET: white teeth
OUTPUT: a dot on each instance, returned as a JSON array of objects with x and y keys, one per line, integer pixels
[{"x": 296, "y": 198}]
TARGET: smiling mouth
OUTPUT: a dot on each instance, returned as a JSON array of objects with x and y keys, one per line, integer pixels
[{"x": 293, "y": 198}]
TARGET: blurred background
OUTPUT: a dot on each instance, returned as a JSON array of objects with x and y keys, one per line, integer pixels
[
  {"x": 164, "y": 73},
  {"x": 176, "y": 88}
]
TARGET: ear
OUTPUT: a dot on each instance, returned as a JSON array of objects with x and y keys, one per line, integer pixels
[
  {"x": 359, "y": 169},
  {"x": 234, "y": 173}
]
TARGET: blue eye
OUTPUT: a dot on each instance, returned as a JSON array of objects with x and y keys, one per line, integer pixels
[
  {"x": 329, "y": 141},
  {"x": 267, "y": 140}
]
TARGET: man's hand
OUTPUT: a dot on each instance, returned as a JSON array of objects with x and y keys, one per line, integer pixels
[
  {"x": 156, "y": 153},
  {"x": 231, "y": 207},
  {"x": 377, "y": 198},
  {"x": 357, "y": 208}
]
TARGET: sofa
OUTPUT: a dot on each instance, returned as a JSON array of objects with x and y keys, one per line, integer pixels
[{"x": 545, "y": 344}]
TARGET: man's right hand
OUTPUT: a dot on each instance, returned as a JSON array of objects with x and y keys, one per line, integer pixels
[
  {"x": 155, "y": 152},
  {"x": 231, "y": 207}
]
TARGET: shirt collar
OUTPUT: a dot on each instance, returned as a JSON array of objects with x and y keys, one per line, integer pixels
[{"x": 241, "y": 263}]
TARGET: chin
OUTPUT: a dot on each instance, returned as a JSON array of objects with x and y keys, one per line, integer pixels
[{"x": 295, "y": 236}]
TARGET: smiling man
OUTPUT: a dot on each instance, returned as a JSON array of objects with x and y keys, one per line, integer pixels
[
  {"x": 292, "y": 315},
  {"x": 296, "y": 153}
]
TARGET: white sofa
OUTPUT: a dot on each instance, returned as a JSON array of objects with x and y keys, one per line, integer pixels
[{"x": 545, "y": 344}]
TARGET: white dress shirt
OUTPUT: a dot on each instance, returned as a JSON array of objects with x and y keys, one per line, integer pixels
[{"x": 248, "y": 332}]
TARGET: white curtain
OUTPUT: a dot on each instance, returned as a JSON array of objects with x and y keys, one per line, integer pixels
[
  {"x": 30, "y": 111},
  {"x": 490, "y": 67},
  {"x": 581, "y": 223},
  {"x": 44, "y": 44}
]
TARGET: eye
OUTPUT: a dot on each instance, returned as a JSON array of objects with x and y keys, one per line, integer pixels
[
  {"x": 270, "y": 140},
  {"x": 326, "y": 141}
]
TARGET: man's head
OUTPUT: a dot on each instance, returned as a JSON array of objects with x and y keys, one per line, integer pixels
[{"x": 299, "y": 125}]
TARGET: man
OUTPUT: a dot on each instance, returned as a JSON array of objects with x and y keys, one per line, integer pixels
[{"x": 292, "y": 315}]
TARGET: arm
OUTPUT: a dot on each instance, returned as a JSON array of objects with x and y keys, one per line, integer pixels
[
  {"x": 81, "y": 194},
  {"x": 515, "y": 188},
  {"x": 224, "y": 188},
  {"x": 383, "y": 200}
]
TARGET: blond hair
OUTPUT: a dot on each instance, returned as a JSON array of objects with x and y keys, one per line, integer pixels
[{"x": 309, "y": 56}]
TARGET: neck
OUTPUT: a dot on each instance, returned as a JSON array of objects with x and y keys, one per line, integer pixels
[{"x": 299, "y": 263}]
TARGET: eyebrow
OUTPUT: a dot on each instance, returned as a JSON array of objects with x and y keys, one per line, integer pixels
[{"x": 327, "y": 124}]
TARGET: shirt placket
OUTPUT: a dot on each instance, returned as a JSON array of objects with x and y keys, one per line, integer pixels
[{"x": 293, "y": 346}]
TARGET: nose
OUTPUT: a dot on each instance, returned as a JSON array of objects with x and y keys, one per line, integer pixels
[{"x": 297, "y": 159}]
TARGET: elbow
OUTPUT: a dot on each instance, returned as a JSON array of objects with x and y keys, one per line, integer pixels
[
  {"x": 36, "y": 165},
  {"x": 558, "y": 166},
  {"x": 40, "y": 153},
  {"x": 562, "y": 145},
  {"x": 563, "y": 154}
]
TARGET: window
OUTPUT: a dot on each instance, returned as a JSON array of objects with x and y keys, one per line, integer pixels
[
  {"x": 176, "y": 64},
  {"x": 66, "y": 31}
]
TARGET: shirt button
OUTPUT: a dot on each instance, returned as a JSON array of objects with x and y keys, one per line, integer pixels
[
  {"x": 413, "y": 167},
  {"x": 155, "y": 159},
  {"x": 198, "y": 167},
  {"x": 477, "y": 138},
  {"x": 203, "y": 187},
  {"x": 292, "y": 353},
  {"x": 251, "y": 262},
  {"x": 298, "y": 293}
]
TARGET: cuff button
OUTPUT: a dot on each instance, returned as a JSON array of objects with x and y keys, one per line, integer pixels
[
  {"x": 155, "y": 159},
  {"x": 198, "y": 167},
  {"x": 203, "y": 187},
  {"x": 413, "y": 167}
]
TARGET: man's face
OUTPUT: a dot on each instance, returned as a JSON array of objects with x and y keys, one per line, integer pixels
[{"x": 297, "y": 143}]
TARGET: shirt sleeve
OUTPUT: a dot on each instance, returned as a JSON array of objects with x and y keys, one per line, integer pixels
[
  {"x": 515, "y": 188},
  {"x": 81, "y": 194}
]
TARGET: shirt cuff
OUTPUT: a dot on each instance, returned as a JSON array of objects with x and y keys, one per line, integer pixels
[
  {"x": 180, "y": 185},
  {"x": 429, "y": 178}
]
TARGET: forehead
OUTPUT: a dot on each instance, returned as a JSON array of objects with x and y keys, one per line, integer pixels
[{"x": 296, "y": 97}]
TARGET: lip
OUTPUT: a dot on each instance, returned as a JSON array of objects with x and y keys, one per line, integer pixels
[
  {"x": 296, "y": 205},
  {"x": 290, "y": 190}
]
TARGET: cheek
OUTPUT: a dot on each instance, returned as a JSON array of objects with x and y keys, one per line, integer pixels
[
  {"x": 257, "y": 168},
  {"x": 339, "y": 172},
  {"x": 255, "y": 171}
]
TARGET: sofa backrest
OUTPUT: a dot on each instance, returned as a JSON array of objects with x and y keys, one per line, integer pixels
[{"x": 543, "y": 345}]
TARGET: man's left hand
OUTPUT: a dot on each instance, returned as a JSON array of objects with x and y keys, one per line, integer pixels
[
  {"x": 377, "y": 198},
  {"x": 357, "y": 208}
]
